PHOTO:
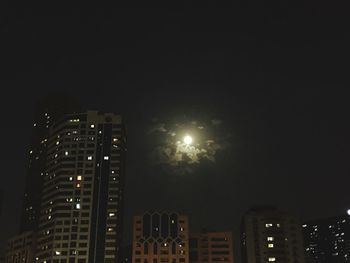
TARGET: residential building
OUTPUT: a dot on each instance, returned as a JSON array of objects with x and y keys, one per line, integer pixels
[
  {"x": 160, "y": 237},
  {"x": 271, "y": 235}
]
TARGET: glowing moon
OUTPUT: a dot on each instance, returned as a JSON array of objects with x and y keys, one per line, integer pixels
[{"x": 187, "y": 139}]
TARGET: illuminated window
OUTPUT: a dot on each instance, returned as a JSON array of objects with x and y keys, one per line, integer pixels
[
  {"x": 111, "y": 214},
  {"x": 34, "y": 124},
  {"x": 31, "y": 152},
  {"x": 65, "y": 153},
  {"x": 70, "y": 178},
  {"x": 77, "y": 206},
  {"x": 278, "y": 225},
  {"x": 92, "y": 126},
  {"x": 272, "y": 259},
  {"x": 79, "y": 177},
  {"x": 89, "y": 158},
  {"x": 270, "y": 245},
  {"x": 110, "y": 229},
  {"x": 105, "y": 158},
  {"x": 57, "y": 252},
  {"x": 58, "y": 142},
  {"x": 115, "y": 139},
  {"x": 78, "y": 185},
  {"x": 268, "y": 225},
  {"x": 270, "y": 238}
]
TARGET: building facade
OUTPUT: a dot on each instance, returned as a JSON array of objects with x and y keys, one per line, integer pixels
[
  {"x": 327, "y": 240},
  {"x": 160, "y": 237},
  {"x": 21, "y": 249},
  {"x": 211, "y": 247},
  {"x": 271, "y": 235},
  {"x": 47, "y": 112},
  {"x": 81, "y": 201}
]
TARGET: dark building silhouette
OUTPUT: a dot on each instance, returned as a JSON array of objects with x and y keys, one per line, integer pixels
[
  {"x": 47, "y": 111},
  {"x": 126, "y": 254},
  {"x": 327, "y": 240},
  {"x": 211, "y": 247},
  {"x": 1, "y": 200},
  {"x": 271, "y": 235},
  {"x": 21, "y": 248}
]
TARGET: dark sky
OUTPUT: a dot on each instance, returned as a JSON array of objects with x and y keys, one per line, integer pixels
[{"x": 275, "y": 74}]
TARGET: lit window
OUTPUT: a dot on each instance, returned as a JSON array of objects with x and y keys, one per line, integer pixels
[
  {"x": 268, "y": 225},
  {"x": 89, "y": 158},
  {"x": 105, "y": 158},
  {"x": 172, "y": 221},
  {"x": 113, "y": 172},
  {"x": 57, "y": 252},
  {"x": 99, "y": 132},
  {"x": 70, "y": 178},
  {"x": 65, "y": 153},
  {"x": 78, "y": 185},
  {"x": 49, "y": 217},
  {"x": 270, "y": 245},
  {"x": 272, "y": 259},
  {"x": 111, "y": 214},
  {"x": 270, "y": 238},
  {"x": 110, "y": 229},
  {"x": 165, "y": 244},
  {"x": 278, "y": 225},
  {"x": 58, "y": 142},
  {"x": 31, "y": 152},
  {"x": 304, "y": 226},
  {"x": 115, "y": 139},
  {"x": 77, "y": 206},
  {"x": 79, "y": 177},
  {"x": 92, "y": 126},
  {"x": 34, "y": 124}
]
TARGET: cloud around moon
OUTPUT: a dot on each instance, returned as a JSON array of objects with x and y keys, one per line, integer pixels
[{"x": 169, "y": 151}]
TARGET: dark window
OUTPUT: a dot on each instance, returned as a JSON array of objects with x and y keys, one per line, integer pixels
[
  {"x": 173, "y": 225},
  {"x": 146, "y": 225},
  {"x": 146, "y": 248},
  {"x": 155, "y": 225},
  {"x": 155, "y": 248},
  {"x": 165, "y": 226},
  {"x": 173, "y": 248}
]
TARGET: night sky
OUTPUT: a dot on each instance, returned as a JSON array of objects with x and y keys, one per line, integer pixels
[{"x": 274, "y": 76}]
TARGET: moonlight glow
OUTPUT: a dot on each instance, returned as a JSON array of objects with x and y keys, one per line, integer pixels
[
  {"x": 188, "y": 139},
  {"x": 180, "y": 146}
]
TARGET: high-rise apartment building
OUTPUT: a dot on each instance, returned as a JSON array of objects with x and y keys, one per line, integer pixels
[
  {"x": 327, "y": 240},
  {"x": 211, "y": 247},
  {"x": 81, "y": 200},
  {"x": 271, "y": 235},
  {"x": 160, "y": 237},
  {"x": 47, "y": 112}
]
